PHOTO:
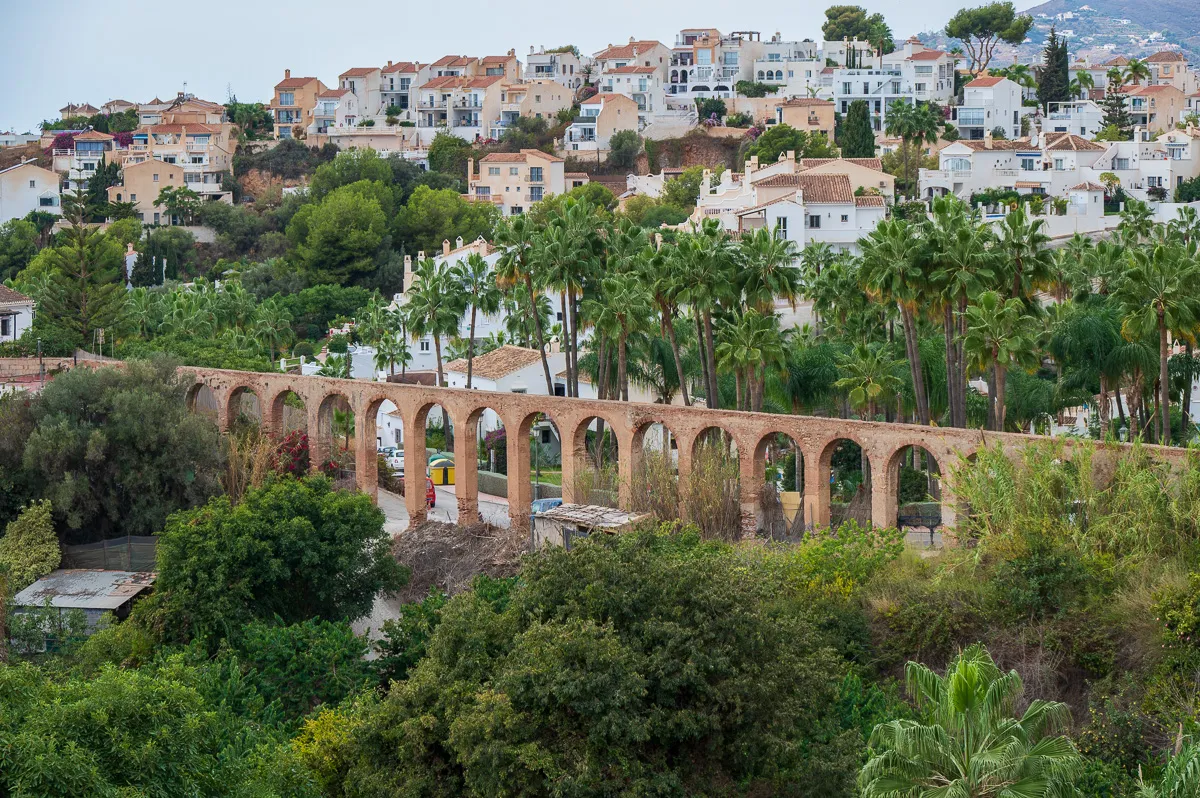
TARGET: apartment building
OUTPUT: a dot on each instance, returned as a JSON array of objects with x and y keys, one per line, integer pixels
[
  {"x": 1191, "y": 108},
  {"x": 399, "y": 83},
  {"x": 203, "y": 152},
  {"x": 1051, "y": 163},
  {"x": 461, "y": 105},
  {"x": 600, "y": 116},
  {"x": 1170, "y": 68},
  {"x": 808, "y": 114},
  {"x": 1156, "y": 107},
  {"x": 990, "y": 103},
  {"x": 513, "y": 181},
  {"x": 851, "y": 52},
  {"x": 79, "y": 162},
  {"x": 457, "y": 66},
  {"x": 141, "y": 184},
  {"x": 77, "y": 109},
  {"x": 505, "y": 66},
  {"x": 335, "y": 109},
  {"x": 912, "y": 74},
  {"x": 642, "y": 84},
  {"x": 293, "y": 104},
  {"x": 643, "y": 53},
  {"x": 1081, "y": 117},
  {"x": 793, "y": 66},
  {"x": 183, "y": 109},
  {"x": 562, "y": 65},
  {"x": 705, "y": 63},
  {"x": 117, "y": 107},
  {"x": 26, "y": 187},
  {"x": 366, "y": 84},
  {"x": 538, "y": 98}
]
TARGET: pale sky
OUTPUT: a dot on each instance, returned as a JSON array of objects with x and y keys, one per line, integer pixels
[{"x": 77, "y": 51}]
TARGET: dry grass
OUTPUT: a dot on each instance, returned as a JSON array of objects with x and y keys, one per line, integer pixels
[
  {"x": 251, "y": 459},
  {"x": 711, "y": 497},
  {"x": 449, "y": 557}
]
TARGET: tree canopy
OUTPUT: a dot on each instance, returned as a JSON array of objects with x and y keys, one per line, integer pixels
[{"x": 981, "y": 29}]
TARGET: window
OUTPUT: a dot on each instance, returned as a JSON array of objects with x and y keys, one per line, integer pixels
[
  {"x": 846, "y": 87},
  {"x": 535, "y": 193},
  {"x": 514, "y": 170},
  {"x": 535, "y": 174},
  {"x": 287, "y": 98},
  {"x": 33, "y": 184},
  {"x": 845, "y": 218},
  {"x": 516, "y": 210},
  {"x": 1154, "y": 182},
  {"x": 537, "y": 98},
  {"x": 156, "y": 177},
  {"x": 781, "y": 228},
  {"x": 814, "y": 221},
  {"x": 5, "y": 327},
  {"x": 1059, "y": 164},
  {"x": 494, "y": 171},
  {"x": 424, "y": 346},
  {"x": 48, "y": 202},
  {"x": 1028, "y": 164},
  {"x": 156, "y": 218},
  {"x": 133, "y": 197},
  {"x": 925, "y": 70},
  {"x": 1120, "y": 164},
  {"x": 545, "y": 436}
]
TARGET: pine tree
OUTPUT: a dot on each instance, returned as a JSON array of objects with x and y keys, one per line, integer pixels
[
  {"x": 858, "y": 138},
  {"x": 87, "y": 291},
  {"x": 1116, "y": 113},
  {"x": 1054, "y": 82}
]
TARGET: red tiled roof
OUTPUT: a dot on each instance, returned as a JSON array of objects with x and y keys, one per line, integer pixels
[
  {"x": 630, "y": 50},
  {"x": 454, "y": 61},
  {"x": 330, "y": 93},
  {"x": 518, "y": 157},
  {"x": 1087, "y": 187},
  {"x": 462, "y": 82},
  {"x": 11, "y": 297},
  {"x": 806, "y": 102},
  {"x": 358, "y": 72},
  {"x": 869, "y": 163},
  {"x": 498, "y": 363},
  {"x": 291, "y": 83},
  {"x": 825, "y": 189},
  {"x": 402, "y": 66},
  {"x": 1118, "y": 61},
  {"x": 870, "y": 201},
  {"x": 608, "y": 95},
  {"x": 1164, "y": 56},
  {"x": 93, "y": 135},
  {"x": 926, "y": 55},
  {"x": 631, "y": 70},
  {"x": 1069, "y": 141},
  {"x": 495, "y": 59},
  {"x": 1150, "y": 89},
  {"x": 984, "y": 82},
  {"x": 980, "y": 145}
]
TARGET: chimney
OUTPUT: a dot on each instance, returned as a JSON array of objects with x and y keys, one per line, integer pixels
[
  {"x": 512, "y": 52},
  {"x": 458, "y": 242},
  {"x": 470, "y": 170},
  {"x": 987, "y": 140},
  {"x": 407, "y": 268},
  {"x": 531, "y": 49},
  {"x": 790, "y": 157},
  {"x": 287, "y": 73},
  {"x": 706, "y": 183},
  {"x": 632, "y": 40},
  {"x": 389, "y": 62},
  {"x": 445, "y": 246}
]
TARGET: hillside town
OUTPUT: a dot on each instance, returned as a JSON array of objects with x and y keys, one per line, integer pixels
[{"x": 729, "y": 414}]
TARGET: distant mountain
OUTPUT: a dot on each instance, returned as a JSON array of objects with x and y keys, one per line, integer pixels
[{"x": 1132, "y": 27}]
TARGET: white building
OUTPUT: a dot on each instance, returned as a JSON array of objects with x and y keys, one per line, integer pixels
[
  {"x": 28, "y": 187},
  {"x": 336, "y": 108},
  {"x": 16, "y": 314},
  {"x": 1081, "y": 117},
  {"x": 366, "y": 84},
  {"x": 398, "y": 87},
  {"x": 913, "y": 74},
  {"x": 990, "y": 103},
  {"x": 561, "y": 65}
]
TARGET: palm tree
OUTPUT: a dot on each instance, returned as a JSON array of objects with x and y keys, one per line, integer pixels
[
  {"x": 892, "y": 270},
  {"x": 335, "y": 366},
  {"x": 870, "y": 378},
  {"x": 970, "y": 743},
  {"x": 1137, "y": 222},
  {"x": 1022, "y": 253},
  {"x": 390, "y": 350},
  {"x": 767, "y": 270},
  {"x": 1081, "y": 85},
  {"x": 477, "y": 284},
  {"x": 1180, "y": 777},
  {"x": 912, "y": 123},
  {"x": 1185, "y": 228},
  {"x": 1158, "y": 293},
  {"x": 623, "y": 309},
  {"x": 273, "y": 326},
  {"x": 515, "y": 237},
  {"x": 999, "y": 336},
  {"x": 708, "y": 264},
  {"x": 435, "y": 307},
  {"x": 1136, "y": 71},
  {"x": 747, "y": 346},
  {"x": 661, "y": 275}
]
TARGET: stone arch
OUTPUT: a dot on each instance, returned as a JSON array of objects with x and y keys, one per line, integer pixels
[
  {"x": 854, "y": 495},
  {"x": 782, "y": 453},
  {"x": 712, "y": 494},
  {"x": 654, "y": 470},
  {"x": 203, "y": 399},
  {"x": 899, "y": 510},
  {"x": 242, "y": 401},
  {"x": 596, "y": 458},
  {"x": 332, "y": 428}
]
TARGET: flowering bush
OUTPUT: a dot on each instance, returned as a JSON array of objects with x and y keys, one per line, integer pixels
[
  {"x": 292, "y": 455},
  {"x": 754, "y": 132}
]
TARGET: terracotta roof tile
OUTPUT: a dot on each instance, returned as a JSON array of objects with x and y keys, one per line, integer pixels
[
  {"x": 498, "y": 363},
  {"x": 330, "y": 93},
  {"x": 518, "y": 157},
  {"x": 1118, "y": 61},
  {"x": 402, "y": 66},
  {"x": 1164, "y": 56},
  {"x": 980, "y": 145},
  {"x": 1069, "y": 141},
  {"x": 984, "y": 82},
  {"x": 629, "y": 50},
  {"x": 454, "y": 61},
  {"x": 630, "y": 70},
  {"x": 462, "y": 82},
  {"x": 290, "y": 83},
  {"x": 806, "y": 102},
  {"x": 926, "y": 55},
  {"x": 11, "y": 297},
  {"x": 496, "y": 59},
  {"x": 869, "y": 163},
  {"x": 826, "y": 189},
  {"x": 93, "y": 135},
  {"x": 870, "y": 201},
  {"x": 1087, "y": 187},
  {"x": 358, "y": 72}
]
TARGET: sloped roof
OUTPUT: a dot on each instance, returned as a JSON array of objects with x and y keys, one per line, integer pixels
[
  {"x": 1165, "y": 56},
  {"x": 358, "y": 72},
  {"x": 286, "y": 83},
  {"x": 1163, "y": 88},
  {"x": 980, "y": 145},
  {"x": 1089, "y": 186},
  {"x": 1069, "y": 141},
  {"x": 498, "y": 363},
  {"x": 805, "y": 102},
  {"x": 93, "y": 135},
  {"x": 631, "y": 70},
  {"x": 496, "y": 59},
  {"x": 926, "y": 55},
  {"x": 11, "y": 297},
  {"x": 462, "y": 82},
  {"x": 454, "y": 61},
  {"x": 984, "y": 82},
  {"x": 1118, "y": 61},
  {"x": 826, "y": 189},
  {"x": 629, "y": 50},
  {"x": 870, "y": 201},
  {"x": 518, "y": 157},
  {"x": 331, "y": 93},
  {"x": 869, "y": 163},
  {"x": 90, "y": 589},
  {"x": 402, "y": 66}
]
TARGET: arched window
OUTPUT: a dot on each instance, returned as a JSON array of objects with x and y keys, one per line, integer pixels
[{"x": 760, "y": 74}]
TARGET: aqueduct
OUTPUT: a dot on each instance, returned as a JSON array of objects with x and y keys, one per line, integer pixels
[{"x": 816, "y": 438}]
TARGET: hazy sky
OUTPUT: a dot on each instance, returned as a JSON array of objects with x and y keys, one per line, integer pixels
[{"x": 76, "y": 51}]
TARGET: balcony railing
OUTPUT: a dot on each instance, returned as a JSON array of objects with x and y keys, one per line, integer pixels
[
  {"x": 197, "y": 148},
  {"x": 532, "y": 179}
]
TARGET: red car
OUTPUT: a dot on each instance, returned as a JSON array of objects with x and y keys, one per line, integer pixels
[{"x": 430, "y": 495}]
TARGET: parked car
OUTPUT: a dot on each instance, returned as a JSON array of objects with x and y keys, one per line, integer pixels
[
  {"x": 540, "y": 506},
  {"x": 395, "y": 461},
  {"x": 430, "y": 493}
]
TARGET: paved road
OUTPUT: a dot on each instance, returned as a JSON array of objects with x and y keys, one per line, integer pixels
[{"x": 494, "y": 509}]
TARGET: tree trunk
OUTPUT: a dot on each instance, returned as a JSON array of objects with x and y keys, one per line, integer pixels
[
  {"x": 622, "y": 375},
  {"x": 712, "y": 359},
  {"x": 737, "y": 388},
  {"x": 1185, "y": 418},
  {"x": 1164, "y": 384},
  {"x": 471, "y": 348},
  {"x": 960, "y": 360},
  {"x": 951, "y": 371},
  {"x": 541, "y": 340},
  {"x": 574, "y": 310},
  {"x": 1001, "y": 410},
  {"x": 991, "y": 406},
  {"x": 437, "y": 349},
  {"x": 708, "y": 401},
  {"x": 1121, "y": 407},
  {"x": 670, "y": 325},
  {"x": 914, "y": 364},
  {"x": 566, "y": 341}
]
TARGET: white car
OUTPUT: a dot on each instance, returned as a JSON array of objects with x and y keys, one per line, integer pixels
[{"x": 395, "y": 462}]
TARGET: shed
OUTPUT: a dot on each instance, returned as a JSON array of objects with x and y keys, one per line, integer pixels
[
  {"x": 569, "y": 522},
  {"x": 93, "y": 590}
]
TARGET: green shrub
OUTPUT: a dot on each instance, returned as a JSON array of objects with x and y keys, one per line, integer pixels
[{"x": 29, "y": 549}]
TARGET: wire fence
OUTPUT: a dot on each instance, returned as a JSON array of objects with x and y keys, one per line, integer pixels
[{"x": 130, "y": 553}]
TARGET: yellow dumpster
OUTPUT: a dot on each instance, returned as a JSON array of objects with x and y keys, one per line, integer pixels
[
  {"x": 442, "y": 475},
  {"x": 791, "y": 503}
]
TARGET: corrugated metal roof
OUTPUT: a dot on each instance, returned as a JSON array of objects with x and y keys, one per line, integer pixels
[{"x": 87, "y": 589}]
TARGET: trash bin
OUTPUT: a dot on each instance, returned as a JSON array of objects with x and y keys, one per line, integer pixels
[{"x": 442, "y": 475}]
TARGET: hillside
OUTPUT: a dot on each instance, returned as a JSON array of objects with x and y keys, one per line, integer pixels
[{"x": 1133, "y": 27}]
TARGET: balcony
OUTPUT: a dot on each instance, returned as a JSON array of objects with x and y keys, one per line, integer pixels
[
  {"x": 197, "y": 147},
  {"x": 536, "y": 180},
  {"x": 139, "y": 147},
  {"x": 429, "y": 105},
  {"x": 467, "y": 102}
]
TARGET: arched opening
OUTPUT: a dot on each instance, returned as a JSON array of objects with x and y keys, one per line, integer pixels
[
  {"x": 429, "y": 454},
  {"x": 656, "y": 471},
  {"x": 779, "y": 460},
  {"x": 711, "y": 497},
  {"x": 289, "y": 423},
  {"x": 916, "y": 477},
  {"x": 845, "y": 482},
  {"x": 203, "y": 399},
  {"x": 332, "y": 444},
  {"x": 545, "y": 459},
  {"x": 761, "y": 76},
  {"x": 596, "y": 453},
  {"x": 674, "y": 75},
  {"x": 244, "y": 411}
]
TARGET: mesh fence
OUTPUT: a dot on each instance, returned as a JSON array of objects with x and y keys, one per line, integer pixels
[{"x": 130, "y": 553}]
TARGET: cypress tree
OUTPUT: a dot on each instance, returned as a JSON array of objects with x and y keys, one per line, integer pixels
[
  {"x": 1054, "y": 83},
  {"x": 857, "y": 139}
]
